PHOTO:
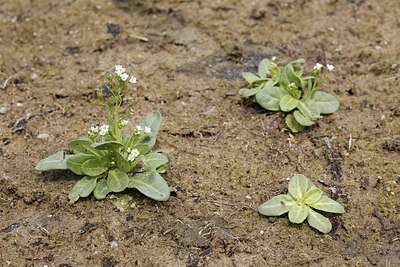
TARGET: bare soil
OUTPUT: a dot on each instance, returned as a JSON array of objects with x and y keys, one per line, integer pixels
[{"x": 229, "y": 155}]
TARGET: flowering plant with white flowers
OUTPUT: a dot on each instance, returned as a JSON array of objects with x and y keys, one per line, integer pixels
[
  {"x": 110, "y": 160},
  {"x": 289, "y": 91}
]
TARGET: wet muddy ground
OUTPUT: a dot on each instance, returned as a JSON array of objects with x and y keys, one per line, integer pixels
[{"x": 229, "y": 155}]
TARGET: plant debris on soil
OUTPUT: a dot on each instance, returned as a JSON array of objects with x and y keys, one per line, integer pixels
[{"x": 229, "y": 155}]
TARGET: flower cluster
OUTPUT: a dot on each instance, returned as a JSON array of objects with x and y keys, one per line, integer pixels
[
  {"x": 133, "y": 154},
  {"x": 318, "y": 67},
  {"x": 96, "y": 130},
  {"x": 139, "y": 130},
  {"x": 120, "y": 71},
  {"x": 122, "y": 123}
]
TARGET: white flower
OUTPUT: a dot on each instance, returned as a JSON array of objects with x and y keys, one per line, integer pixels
[
  {"x": 318, "y": 66},
  {"x": 134, "y": 153},
  {"x": 94, "y": 129},
  {"x": 139, "y": 128},
  {"x": 133, "y": 80},
  {"x": 147, "y": 130},
  {"x": 330, "y": 67},
  {"x": 129, "y": 149},
  {"x": 123, "y": 76},
  {"x": 119, "y": 69},
  {"x": 273, "y": 58},
  {"x": 104, "y": 129}
]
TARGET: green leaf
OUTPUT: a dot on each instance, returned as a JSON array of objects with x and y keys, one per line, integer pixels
[
  {"x": 312, "y": 196},
  {"x": 318, "y": 221},
  {"x": 329, "y": 205},
  {"x": 82, "y": 188},
  {"x": 117, "y": 180},
  {"x": 250, "y": 92},
  {"x": 323, "y": 102},
  {"x": 301, "y": 119},
  {"x": 152, "y": 120},
  {"x": 308, "y": 110},
  {"x": 293, "y": 125},
  {"x": 298, "y": 186},
  {"x": 275, "y": 72},
  {"x": 292, "y": 76},
  {"x": 75, "y": 162},
  {"x": 250, "y": 77},
  {"x": 284, "y": 80},
  {"x": 143, "y": 148},
  {"x": 298, "y": 61},
  {"x": 101, "y": 190},
  {"x": 150, "y": 184},
  {"x": 288, "y": 103},
  {"x": 162, "y": 169},
  {"x": 153, "y": 160},
  {"x": 53, "y": 162},
  {"x": 122, "y": 163},
  {"x": 270, "y": 97},
  {"x": 298, "y": 214},
  {"x": 263, "y": 68},
  {"x": 83, "y": 145},
  {"x": 277, "y": 205},
  {"x": 93, "y": 167},
  {"x": 110, "y": 145}
]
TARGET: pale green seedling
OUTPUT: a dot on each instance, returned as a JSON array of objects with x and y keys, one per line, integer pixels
[
  {"x": 301, "y": 202},
  {"x": 111, "y": 161},
  {"x": 289, "y": 91}
]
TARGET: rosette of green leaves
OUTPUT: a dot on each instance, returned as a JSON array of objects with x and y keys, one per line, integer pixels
[
  {"x": 287, "y": 90},
  {"x": 105, "y": 166},
  {"x": 302, "y": 202}
]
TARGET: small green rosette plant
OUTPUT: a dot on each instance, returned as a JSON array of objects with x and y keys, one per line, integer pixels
[
  {"x": 289, "y": 91},
  {"x": 111, "y": 161},
  {"x": 301, "y": 202}
]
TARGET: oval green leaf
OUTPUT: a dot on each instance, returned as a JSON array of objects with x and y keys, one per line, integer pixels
[
  {"x": 263, "y": 68},
  {"x": 110, "y": 145},
  {"x": 82, "y": 188},
  {"x": 298, "y": 214},
  {"x": 250, "y": 77},
  {"x": 270, "y": 97},
  {"x": 101, "y": 190},
  {"x": 117, "y": 180},
  {"x": 312, "y": 196},
  {"x": 83, "y": 145},
  {"x": 323, "y": 102},
  {"x": 150, "y": 184},
  {"x": 308, "y": 111},
  {"x": 329, "y": 205},
  {"x": 122, "y": 163},
  {"x": 293, "y": 125},
  {"x": 153, "y": 121},
  {"x": 93, "y": 167},
  {"x": 153, "y": 160},
  {"x": 277, "y": 205},
  {"x": 288, "y": 103},
  {"x": 75, "y": 162},
  {"x": 249, "y": 92},
  {"x": 298, "y": 186},
  {"x": 301, "y": 119},
  {"x": 318, "y": 221},
  {"x": 53, "y": 162}
]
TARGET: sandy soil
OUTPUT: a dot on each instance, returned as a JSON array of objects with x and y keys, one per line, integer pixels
[{"x": 229, "y": 154}]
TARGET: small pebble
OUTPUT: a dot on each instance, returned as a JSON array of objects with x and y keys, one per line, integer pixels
[
  {"x": 6, "y": 141},
  {"x": 3, "y": 110},
  {"x": 248, "y": 197},
  {"x": 261, "y": 232},
  {"x": 43, "y": 136},
  {"x": 113, "y": 244}
]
